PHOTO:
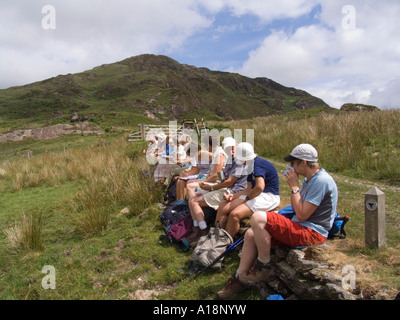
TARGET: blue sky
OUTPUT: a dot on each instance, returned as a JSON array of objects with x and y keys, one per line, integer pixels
[
  {"x": 228, "y": 41},
  {"x": 316, "y": 45}
]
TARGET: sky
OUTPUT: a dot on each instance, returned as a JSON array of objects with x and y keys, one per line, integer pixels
[{"x": 342, "y": 51}]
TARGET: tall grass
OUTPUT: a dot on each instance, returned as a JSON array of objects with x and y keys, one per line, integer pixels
[
  {"x": 109, "y": 175},
  {"x": 27, "y": 233},
  {"x": 360, "y": 144}
]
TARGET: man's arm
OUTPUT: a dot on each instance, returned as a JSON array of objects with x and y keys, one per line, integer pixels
[{"x": 303, "y": 210}]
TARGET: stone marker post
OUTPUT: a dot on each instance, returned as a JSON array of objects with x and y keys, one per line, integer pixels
[{"x": 375, "y": 222}]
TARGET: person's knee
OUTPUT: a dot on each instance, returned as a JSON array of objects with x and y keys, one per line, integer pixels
[
  {"x": 235, "y": 215},
  {"x": 249, "y": 235},
  {"x": 192, "y": 200},
  {"x": 258, "y": 219},
  {"x": 222, "y": 212}
]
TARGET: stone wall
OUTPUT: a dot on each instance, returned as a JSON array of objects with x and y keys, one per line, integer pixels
[{"x": 299, "y": 277}]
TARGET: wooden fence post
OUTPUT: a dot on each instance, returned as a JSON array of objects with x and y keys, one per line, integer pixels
[
  {"x": 142, "y": 131},
  {"x": 375, "y": 221}
]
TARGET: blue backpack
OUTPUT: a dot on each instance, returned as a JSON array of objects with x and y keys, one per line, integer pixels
[
  {"x": 174, "y": 212},
  {"x": 337, "y": 230}
]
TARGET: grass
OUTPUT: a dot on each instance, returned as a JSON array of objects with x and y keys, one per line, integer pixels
[
  {"x": 97, "y": 254},
  {"x": 364, "y": 145},
  {"x": 26, "y": 234}
]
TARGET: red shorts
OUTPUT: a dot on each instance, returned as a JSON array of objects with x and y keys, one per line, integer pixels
[{"x": 286, "y": 232}]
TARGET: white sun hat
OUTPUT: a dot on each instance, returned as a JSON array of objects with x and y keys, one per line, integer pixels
[
  {"x": 245, "y": 152},
  {"x": 228, "y": 142}
]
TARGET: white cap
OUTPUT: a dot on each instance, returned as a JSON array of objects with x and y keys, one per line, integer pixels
[
  {"x": 303, "y": 152},
  {"x": 161, "y": 136},
  {"x": 228, "y": 142},
  {"x": 245, "y": 152}
]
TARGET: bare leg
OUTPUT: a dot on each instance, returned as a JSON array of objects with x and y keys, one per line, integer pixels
[
  {"x": 224, "y": 210},
  {"x": 190, "y": 188},
  {"x": 249, "y": 253},
  {"x": 261, "y": 235},
  {"x": 180, "y": 190},
  {"x": 238, "y": 214},
  {"x": 196, "y": 204},
  {"x": 222, "y": 215}
]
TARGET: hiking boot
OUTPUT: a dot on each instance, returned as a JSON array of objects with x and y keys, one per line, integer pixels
[
  {"x": 233, "y": 287},
  {"x": 195, "y": 240},
  {"x": 193, "y": 234},
  {"x": 259, "y": 272}
]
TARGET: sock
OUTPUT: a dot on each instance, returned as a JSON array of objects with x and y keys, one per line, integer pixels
[
  {"x": 264, "y": 260},
  {"x": 195, "y": 223},
  {"x": 202, "y": 225},
  {"x": 238, "y": 273}
]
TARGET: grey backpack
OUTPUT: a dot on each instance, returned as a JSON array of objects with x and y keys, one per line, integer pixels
[{"x": 210, "y": 247}]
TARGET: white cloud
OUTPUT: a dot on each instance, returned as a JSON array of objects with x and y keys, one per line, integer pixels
[
  {"x": 321, "y": 57},
  {"x": 286, "y": 59},
  {"x": 88, "y": 33},
  {"x": 335, "y": 64},
  {"x": 266, "y": 11},
  {"x": 387, "y": 97}
]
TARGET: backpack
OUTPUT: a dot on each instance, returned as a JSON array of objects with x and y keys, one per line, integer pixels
[
  {"x": 209, "y": 248},
  {"x": 174, "y": 212},
  {"x": 170, "y": 194},
  {"x": 337, "y": 230},
  {"x": 177, "y": 232}
]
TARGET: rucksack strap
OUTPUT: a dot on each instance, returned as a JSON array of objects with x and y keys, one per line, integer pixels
[
  {"x": 163, "y": 240},
  {"x": 184, "y": 245}
]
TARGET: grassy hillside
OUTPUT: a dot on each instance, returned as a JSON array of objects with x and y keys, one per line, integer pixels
[
  {"x": 61, "y": 207},
  {"x": 145, "y": 89}
]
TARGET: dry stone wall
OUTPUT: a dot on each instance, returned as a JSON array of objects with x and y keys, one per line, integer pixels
[{"x": 301, "y": 278}]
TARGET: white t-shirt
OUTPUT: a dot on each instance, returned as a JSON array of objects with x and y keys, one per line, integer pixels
[
  {"x": 216, "y": 158},
  {"x": 181, "y": 153}
]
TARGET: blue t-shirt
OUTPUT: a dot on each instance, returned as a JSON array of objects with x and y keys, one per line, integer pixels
[
  {"x": 321, "y": 191},
  {"x": 265, "y": 169}
]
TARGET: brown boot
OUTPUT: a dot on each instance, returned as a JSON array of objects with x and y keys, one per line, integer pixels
[
  {"x": 233, "y": 287},
  {"x": 258, "y": 272},
  {"x": 195, "y": 240},
  {"x": 193, "y": 234}
]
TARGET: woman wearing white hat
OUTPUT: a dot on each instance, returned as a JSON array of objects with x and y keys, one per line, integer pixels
[
  {"x": 261, "y": 194},
  {"x": 234, "y": 179}
]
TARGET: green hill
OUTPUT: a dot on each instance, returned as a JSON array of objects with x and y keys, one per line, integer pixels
[{"x": 148, "y": 88}]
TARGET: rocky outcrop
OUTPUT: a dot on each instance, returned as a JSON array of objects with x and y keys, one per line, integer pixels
[
  {"x": 52, "y": 132},
  {"x": 348, "y": 107},
  {"x": 302, "y": 278}
]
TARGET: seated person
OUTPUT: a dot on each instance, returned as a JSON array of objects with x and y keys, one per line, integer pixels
[
  {"x": 235, "y": 179},
  {"x": 218, "y": 162},
  {"x": 160, "y": 140},
  {"x": 200, "y": 166},
  {"x": 315, "y": 210},
  {"x": 182, "y": 161},
  {"x": 261, "y": 194},
  {"x": 151, "y": 150},
  {"x": 165, "y": 160}
]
